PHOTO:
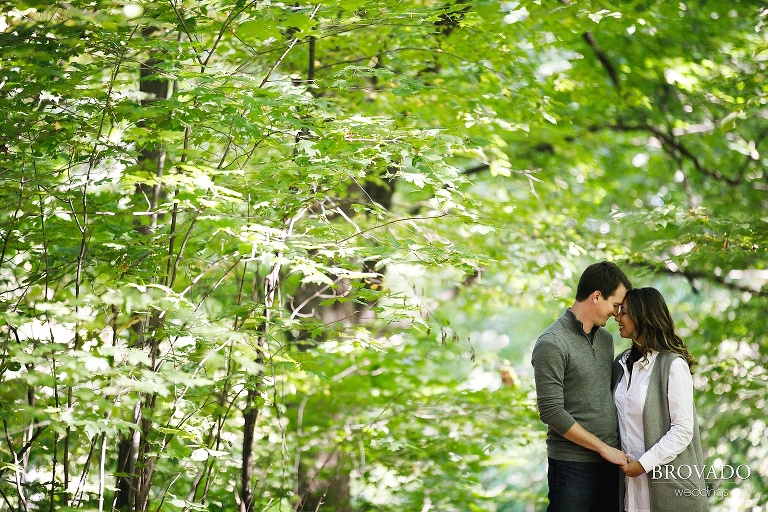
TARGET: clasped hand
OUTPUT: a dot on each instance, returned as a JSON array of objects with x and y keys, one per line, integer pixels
[
  {"x": 633, "y": 468},
  {"x": 628, "y": 466}
]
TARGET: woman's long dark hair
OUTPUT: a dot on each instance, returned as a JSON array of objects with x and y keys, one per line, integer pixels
[{"x": 648, "y": 310}]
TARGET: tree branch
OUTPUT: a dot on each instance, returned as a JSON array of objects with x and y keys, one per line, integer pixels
[
  {"x": 692, "y": 275},
  {"x": 603, "y": 58},
  {"x": 675, "y": 147},
  {"x": 285, "y": 53}
]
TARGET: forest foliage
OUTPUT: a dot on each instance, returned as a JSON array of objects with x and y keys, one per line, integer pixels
[{"x": 280, "y": 256}]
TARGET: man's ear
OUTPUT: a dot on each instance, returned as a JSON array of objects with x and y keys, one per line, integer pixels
[{"x": 596, "y": 295}]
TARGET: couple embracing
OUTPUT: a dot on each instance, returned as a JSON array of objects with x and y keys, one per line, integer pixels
[{"x": 612, "y": 423}]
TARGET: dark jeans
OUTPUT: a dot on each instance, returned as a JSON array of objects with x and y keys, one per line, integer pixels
[{"x": 583, "y": 486}]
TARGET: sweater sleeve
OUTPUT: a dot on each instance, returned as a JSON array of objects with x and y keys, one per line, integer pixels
[{"x": 549, "y": 362}]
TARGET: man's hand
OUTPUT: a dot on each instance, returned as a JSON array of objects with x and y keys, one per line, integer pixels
[
  {"x": 633, "y": 468},
  {"x": 579, "y": 435},
  {"x": 614, "y": 456}
]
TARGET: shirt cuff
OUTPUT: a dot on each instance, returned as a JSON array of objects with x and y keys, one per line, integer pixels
[{"x": 647, "y": 462}]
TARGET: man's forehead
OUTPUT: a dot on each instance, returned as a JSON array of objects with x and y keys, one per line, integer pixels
[{"x": 619, "y": 294}]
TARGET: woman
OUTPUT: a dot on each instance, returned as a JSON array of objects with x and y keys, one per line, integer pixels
[{"x": 653, "y": 393}]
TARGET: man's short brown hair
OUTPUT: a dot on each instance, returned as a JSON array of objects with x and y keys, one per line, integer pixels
[{"x": 604, "y": 276}]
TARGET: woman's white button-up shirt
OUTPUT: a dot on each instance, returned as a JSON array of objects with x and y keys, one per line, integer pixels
[{"x": 630, "y": 402}]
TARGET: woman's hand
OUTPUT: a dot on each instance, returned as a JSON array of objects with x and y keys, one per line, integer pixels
[{"x": 634, "y": 468}]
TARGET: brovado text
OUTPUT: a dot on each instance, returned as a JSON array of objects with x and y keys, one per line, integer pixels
[{"x": 685, "y": 472}]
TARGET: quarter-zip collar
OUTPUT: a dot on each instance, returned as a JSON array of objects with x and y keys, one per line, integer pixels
[{"x": 577, "y": 326}]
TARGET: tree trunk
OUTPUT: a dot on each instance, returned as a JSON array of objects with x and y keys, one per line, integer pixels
[
  {"x": 250, "y": 416},
  {"x": 325, "y": 484},
  {"x": 134, "y": 467},
  {"x": 324, "y": 476}
]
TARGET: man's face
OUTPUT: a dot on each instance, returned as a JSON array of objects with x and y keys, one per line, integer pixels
[{"x": 609, "y": 306}]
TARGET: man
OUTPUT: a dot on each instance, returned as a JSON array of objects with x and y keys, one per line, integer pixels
[{"x": 572, "y": 362}]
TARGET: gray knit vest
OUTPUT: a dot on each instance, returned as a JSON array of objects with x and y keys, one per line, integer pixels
[{"x": 676, "y": 486}]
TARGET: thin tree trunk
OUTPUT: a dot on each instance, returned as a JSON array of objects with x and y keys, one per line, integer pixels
[
  {"x": 251, "y": 414},
  {"x": 271, "y": 287},
  {"x": 323, "y": 477},
  {"x": 134, "y": 485},
  {"x": 246, "y": 470},
  {"x": 102, "y": 471},
  {"x": 83, "y": 228}
]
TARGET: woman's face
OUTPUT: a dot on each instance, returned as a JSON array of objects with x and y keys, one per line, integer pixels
[{"x": 626, "y": 325}]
